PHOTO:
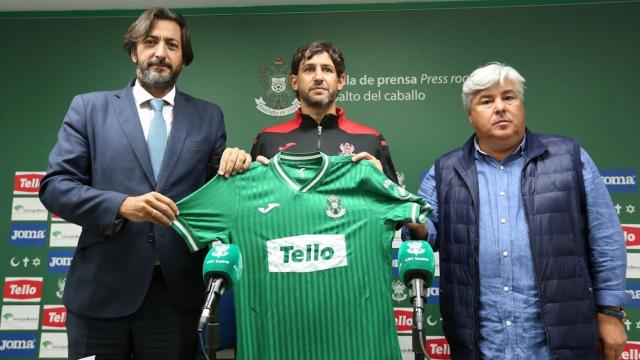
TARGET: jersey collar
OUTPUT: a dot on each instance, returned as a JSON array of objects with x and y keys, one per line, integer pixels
[{"x": 300, "y": 158}]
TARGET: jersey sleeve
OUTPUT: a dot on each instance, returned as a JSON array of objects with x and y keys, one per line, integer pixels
[
  {"x": 396, "y": 204},
  {"x": 207, "y": 214}
]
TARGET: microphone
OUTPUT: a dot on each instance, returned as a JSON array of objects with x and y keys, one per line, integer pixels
[
  {"x": 416, "y": 264},
  {"x": 222, "y": 267}
]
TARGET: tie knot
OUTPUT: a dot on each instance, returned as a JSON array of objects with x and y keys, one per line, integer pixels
[{"x": 156, "y": 104}]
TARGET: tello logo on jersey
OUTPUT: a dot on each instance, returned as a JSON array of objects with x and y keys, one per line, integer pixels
[
  {"x": 28, "y": 289},
  {"x": 27, "y": 182},
  {"x": 631, "y": 351},
  {"x": 631, "y": 235},
  {"x": 54, "y": 317},
  {"x": 307, "y": 253},
  {"x": 437, "y": 348},
  {"x": 620, "y": 180},
  {"x": 404, "y": 320}
]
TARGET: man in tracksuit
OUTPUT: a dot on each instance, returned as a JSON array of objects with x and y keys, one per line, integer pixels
[{"x": 317, "y": 75}]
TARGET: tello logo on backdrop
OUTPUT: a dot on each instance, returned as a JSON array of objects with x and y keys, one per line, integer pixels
[
  {"x": 404, "y": 320},
  {"x": 27, "y": 289},
  {"x": 54, "y": 317},
  {"x": 631, "y": 351},
  {"x": 631, "y": 235},
  {"x": 437, "y": 348},
  {"x": 27, "y": 182}
]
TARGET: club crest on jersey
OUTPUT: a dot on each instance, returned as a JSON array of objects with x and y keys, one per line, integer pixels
[
  {"x": 335, "y": 209},
  {"x": 220, "y": 250},
  {"x": 398, "y": 288},
  {"x": 415, "y": 247},
  {"x": 399, "y": 191},
  {"x": 346, "y": 149},
  {"x": 277, "y": 98}
]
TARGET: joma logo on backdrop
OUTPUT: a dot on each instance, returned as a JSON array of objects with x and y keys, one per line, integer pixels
[
  {"x": 620, "y": 180},
  {"x": 25, "y": 234},
  {"x": 60, "y": 260},
  {"x": 18, "y": 344}
]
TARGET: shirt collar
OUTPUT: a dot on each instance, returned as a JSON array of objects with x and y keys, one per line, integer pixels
[
  {"x": 141, "y": 96},
  {"x": 329, "y": 119},
  {"x": 519, "y": 151}
]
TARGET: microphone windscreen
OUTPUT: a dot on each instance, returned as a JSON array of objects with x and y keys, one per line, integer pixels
[
  {"x": 225, "y": 261},
  {"x": 416, "y": 260}
]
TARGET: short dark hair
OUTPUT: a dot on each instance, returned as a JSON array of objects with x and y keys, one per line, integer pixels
[
  {"x": 307, "y": 51},
  {"x": 142, "y": 26}
]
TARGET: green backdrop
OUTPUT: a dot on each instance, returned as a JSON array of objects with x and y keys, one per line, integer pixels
[{"x": 580, "y": 62}]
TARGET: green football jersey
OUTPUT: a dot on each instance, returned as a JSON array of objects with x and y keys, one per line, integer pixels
[{"x": 315, "y": 234}]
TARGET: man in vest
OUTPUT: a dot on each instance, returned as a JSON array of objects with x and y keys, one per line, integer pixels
[{"x": 532, "y": 256}]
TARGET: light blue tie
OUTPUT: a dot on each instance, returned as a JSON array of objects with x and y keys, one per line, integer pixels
[{"x": 157, "y": 140}]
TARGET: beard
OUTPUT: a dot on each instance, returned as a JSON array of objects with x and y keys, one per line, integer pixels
[
  {"x": 155, "y": 80},
  {"x": 318, "y": 102}
]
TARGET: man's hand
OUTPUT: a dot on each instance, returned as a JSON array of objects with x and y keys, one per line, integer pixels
[
  {"x": 612, "y": 337},
  {"x": 366, "y": 156},
  {"x": 233, "y": 161},
  {"x": 153, "y": 207},
  {"x": 417, "y": 231},
  {"x": 262, "y": 160}
]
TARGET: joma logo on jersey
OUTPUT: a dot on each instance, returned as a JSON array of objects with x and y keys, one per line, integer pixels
[
  {"x": 22, "y": 234},
  {"x": 23, "y": 289},
  {"x": 27, "y": 182},
  {"x": 307, "y": 253},
  {"x": 620, "y": 180}
]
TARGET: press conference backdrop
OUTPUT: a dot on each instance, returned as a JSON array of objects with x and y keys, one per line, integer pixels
[{"x": 405, "y": 65}]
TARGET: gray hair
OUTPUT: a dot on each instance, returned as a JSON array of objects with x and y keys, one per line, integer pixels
[{"x": 487, "y": 76}]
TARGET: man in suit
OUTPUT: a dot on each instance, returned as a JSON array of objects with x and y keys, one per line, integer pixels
[{"x": 121, "y": 160}]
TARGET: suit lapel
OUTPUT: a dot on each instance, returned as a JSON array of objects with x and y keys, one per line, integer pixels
[
  {"x": 181, "y": 115},
  {"x": 127, "y": 113}
]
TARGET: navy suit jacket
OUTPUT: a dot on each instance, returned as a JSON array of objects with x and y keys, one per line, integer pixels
[{"x": 100, "y": 158}]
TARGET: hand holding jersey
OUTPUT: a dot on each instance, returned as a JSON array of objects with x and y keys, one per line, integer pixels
[
  {"x": 159, "y": 209},
  {"x": 316, "y": 235}
]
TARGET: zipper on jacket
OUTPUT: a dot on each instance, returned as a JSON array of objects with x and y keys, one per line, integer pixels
[{"x": 319, "y": 135}]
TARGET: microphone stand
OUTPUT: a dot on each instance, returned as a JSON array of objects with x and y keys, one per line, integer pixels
[
  {"x": 209, "y": 318},
  {"x": 418, "y": 295}
]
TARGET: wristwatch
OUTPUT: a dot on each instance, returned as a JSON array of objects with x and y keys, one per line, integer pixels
[{"x": 615, "y": 311}]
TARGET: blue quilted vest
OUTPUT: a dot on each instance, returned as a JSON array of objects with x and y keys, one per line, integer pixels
[{"x": 554, "y": 200}]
